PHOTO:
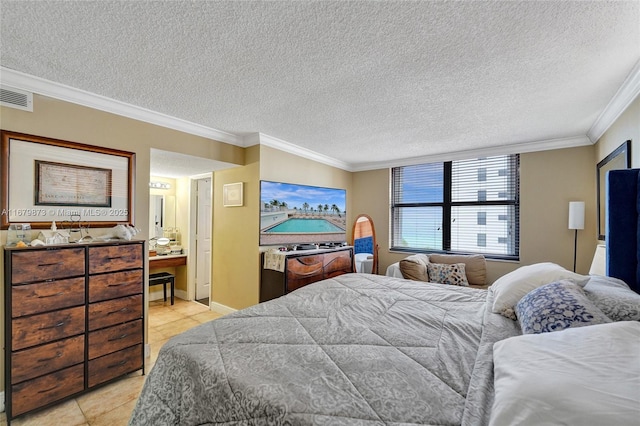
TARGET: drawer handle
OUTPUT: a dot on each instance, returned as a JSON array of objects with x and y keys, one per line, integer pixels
[
  {"x": 125, "y": 309},
  {"x": 51, "y": 295},
  {"x": 118, "y": 338},
  {"x": 48, "y": 390},
  {"x": 117, "y": 285},
  {"x": 60, "y": 324},
  {"x": 50, "y": 264},
  {"x": 120, "y": 364},
  {"x": 114, "y": 257},
  {"x": 57, "y": 355}
]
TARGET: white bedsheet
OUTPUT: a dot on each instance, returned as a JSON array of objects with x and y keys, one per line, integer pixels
[{"x": 579, "y": 376}]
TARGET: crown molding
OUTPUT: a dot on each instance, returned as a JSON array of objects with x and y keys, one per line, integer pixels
[
  {"x": 251, "y": 140},
  {"x": 55, "y": 90},
  {"x": 517, "y": 148},
  {"x": 19, "y": 80},
  {"x": 301, "y": 152},
  {"x": 618, "y": 104}
]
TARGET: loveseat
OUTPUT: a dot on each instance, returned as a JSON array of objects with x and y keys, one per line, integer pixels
[{"x": 443, "y": 267}]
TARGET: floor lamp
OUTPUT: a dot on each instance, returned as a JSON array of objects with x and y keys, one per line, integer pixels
[{"x": 576, "y": 221}]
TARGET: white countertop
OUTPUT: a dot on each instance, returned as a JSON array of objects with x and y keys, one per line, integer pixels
[{"x": 166, "y": 256}]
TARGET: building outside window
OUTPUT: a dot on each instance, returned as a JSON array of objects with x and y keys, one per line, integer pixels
[{"x": 468, "y": 206}]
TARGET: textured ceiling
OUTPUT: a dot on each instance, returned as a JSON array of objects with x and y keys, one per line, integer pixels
[
  {"x": 356, "y": 81},
  {"x": 175, "y": 165}
]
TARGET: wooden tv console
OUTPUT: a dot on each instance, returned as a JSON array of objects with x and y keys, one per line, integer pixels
[{"x": 302, "y": 268}]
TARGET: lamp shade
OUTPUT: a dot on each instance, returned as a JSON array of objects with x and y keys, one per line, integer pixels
[
  {"x": 598, "y": 266},
  {"x": 576, "y": 215}
]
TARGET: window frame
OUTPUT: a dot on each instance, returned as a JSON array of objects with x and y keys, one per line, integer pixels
[{"x": 447, "y": 205}]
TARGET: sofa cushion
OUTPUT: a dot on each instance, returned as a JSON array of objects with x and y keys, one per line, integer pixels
[
  {"x": 414, "y": 267},
  {"x": 475, "y": 265}
]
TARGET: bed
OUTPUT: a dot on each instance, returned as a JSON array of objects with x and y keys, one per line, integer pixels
[{"x": 362, "y": 349}]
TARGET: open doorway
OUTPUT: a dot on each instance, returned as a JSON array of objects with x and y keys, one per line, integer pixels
[
  {"x": 184, "y": 173},
  {"x": 202, "y": 236}
]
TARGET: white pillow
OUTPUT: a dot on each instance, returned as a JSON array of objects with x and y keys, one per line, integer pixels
[
  {"x": 510, "y": 288},
  {"x": 578, "y": 376}
]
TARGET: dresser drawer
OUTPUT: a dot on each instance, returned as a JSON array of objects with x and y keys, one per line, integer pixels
[
  {"x": 40, "y": 265},
  {"x": 112, "y": 339},
  {"x": 116, "y": 364},
  {"x": 45, "y": 359},
  {"x": 45, "y": 328},
  {"x": 118, "y": 284},
  {"x": 303, "y": 270},
  {"x": 116, "y": 311},
  {"x": 337, "y": 263},
  {"x": 114, "y": 258},
  {"x": 46, "y": 296},
  {"x": 44, "y": 390}
]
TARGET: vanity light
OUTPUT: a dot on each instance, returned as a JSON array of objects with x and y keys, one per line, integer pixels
[{"x": 159, "y": 185}]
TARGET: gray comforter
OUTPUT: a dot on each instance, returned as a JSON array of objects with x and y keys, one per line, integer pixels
[{"x": 357, "y": 349}]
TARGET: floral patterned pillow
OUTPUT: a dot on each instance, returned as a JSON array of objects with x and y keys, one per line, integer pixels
[
  {"x": 557, "y": 306},
  {"x": 452, "y": 274}
]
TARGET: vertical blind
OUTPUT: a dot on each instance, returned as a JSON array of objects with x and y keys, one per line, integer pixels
[{"x": 468, "y": 206}]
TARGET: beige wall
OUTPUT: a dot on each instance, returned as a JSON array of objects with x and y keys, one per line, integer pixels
[
  {"x": 235, "y": 267},
  {"x": 236, "y": 255},
  {"x": 548, "y": 179},
  {"x": 61, "y": 120}
]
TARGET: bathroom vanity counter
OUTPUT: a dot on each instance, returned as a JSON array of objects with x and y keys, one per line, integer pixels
[{"x": 167, "y": 261}]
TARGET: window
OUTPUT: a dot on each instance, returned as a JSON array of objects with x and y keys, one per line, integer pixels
[
  {"x": 482, "y": 218},
  {"x": 438, "y": 207}
]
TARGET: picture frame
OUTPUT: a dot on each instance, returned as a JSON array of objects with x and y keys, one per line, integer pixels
[
  {"x": 45, "y": 180},
  {"x": 620, "y": 158},
  {"x": 232, "y": 194}
]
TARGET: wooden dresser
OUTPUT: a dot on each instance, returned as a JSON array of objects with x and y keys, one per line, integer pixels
[
  {"x": 302, "y": 268},
  {"x": 73, "y": 320}
]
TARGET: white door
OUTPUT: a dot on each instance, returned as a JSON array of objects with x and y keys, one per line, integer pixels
[{"x": 203, "y": 239}]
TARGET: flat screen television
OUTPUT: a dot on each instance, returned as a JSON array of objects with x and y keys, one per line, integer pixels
[{"x": 292, "y": 214}]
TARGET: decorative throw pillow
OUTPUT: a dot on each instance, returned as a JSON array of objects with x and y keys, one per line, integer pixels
[
  {"x": 447, "y": 274},
  {"x": 414, "y": 267},
  {"x": 557, "y": 306},
  {"x": 614, "y": 298},
  {"x": 475, "y": 265},
  {"x": 510, "y": 288}
]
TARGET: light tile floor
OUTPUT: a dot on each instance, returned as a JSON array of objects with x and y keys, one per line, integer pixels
[{"x": 111, "y": 405}]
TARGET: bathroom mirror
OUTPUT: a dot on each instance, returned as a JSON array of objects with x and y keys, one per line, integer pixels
[
  {"x": 365, "y": 247},
  {"x": 156, "y": 216},
  {"x": 169, "y": 211},
  {"x": 162, "y": 214}
]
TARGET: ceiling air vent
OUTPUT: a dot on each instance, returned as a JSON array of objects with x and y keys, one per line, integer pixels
[{"x": 15, "y": 98}]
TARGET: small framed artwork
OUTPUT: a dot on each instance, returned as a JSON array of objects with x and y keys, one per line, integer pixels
[{"x": 232, "y": 194}]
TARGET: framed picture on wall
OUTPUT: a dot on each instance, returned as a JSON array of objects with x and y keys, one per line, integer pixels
[
  {"x": 232, "y": 194},
  {"x": 46, "y": 180},
  {"x": 620, "y": 158}
]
